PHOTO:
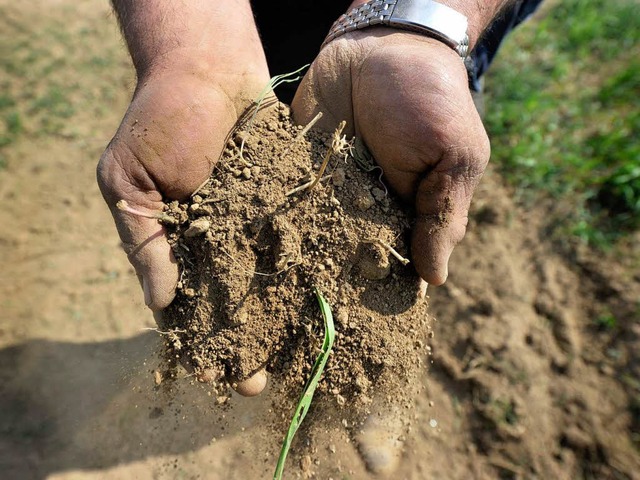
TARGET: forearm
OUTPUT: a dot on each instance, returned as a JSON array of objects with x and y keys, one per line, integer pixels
[
  {"x": 201, "y": 35},
  {"x": 480, "y": 13}
]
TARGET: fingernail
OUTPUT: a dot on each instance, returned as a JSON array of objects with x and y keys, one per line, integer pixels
[
  {"x": 445, "y": 273},
  {"x": 252, "y": 386},
  {"x": 147, "y": 292}
]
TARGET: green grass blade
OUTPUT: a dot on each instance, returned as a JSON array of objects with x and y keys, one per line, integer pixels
[{"x": 312, "y": 383}]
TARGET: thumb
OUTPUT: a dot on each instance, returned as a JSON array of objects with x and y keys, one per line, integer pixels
[
  {"x": 442, "y": 207},
  {"x": 325, "y": 89}
]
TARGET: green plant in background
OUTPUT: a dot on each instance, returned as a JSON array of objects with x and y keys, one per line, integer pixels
[
  {"x": 48, "y": 82},
  {"x": 307, "y": 394},
  {"x": 606, "y": 321},
  {"x": 564, "y": 114}
]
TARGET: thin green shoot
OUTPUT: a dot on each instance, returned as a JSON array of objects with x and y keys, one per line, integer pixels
[
  {"x": 310, "y": 387},
  {"x": 274, "y": 83}
]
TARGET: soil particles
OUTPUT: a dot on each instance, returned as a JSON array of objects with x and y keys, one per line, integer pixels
[{"x": 253, "y": 242}]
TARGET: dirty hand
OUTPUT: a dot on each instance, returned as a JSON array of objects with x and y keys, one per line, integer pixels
[
  {"x": 199, "y": 64},
  {"x": 407, "y": 97},
  {"x": 172, "y": 133}
]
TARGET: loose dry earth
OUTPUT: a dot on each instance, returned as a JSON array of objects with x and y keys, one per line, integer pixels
[
  {"x": 252, "y": 250},
  {"x": 524, "y": 382}
]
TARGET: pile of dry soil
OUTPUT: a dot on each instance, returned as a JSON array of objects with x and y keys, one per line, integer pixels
[{"x": 251, "y": 256}]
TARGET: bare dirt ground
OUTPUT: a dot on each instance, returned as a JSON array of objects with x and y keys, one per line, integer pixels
[{"x": 528, "y": 379}]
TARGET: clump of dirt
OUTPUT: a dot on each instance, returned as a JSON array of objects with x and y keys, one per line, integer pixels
[{"x": 251, "y": 256}]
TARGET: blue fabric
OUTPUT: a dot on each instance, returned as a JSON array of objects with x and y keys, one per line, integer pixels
[{"x": 487, "y": 47}]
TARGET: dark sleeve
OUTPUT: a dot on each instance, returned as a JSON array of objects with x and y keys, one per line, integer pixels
[
  {"x": 292, "y": 32},
  {"x": 487, "y": 47}
]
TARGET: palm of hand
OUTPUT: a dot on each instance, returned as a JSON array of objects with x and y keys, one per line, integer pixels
[{"x": 407, "y": 97}]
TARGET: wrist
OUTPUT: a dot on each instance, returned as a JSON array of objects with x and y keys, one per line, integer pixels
[
  {"x": 199, "y": 37},
  {"x": 199, "y": 64},
  {"x": 187, "y": 75},
  {"x": 479, "y": 14}
]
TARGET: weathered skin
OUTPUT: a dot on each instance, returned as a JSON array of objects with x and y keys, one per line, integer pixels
[{"x": 407, "y": 97}]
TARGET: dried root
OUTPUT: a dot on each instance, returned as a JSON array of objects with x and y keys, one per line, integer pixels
[
  {"x": 339, "y": 146},
  {"x": 160, "y": 216}
]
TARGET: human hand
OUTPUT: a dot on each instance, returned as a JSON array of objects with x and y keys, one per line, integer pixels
[
  {"x": 167, "y": 143},
  {"x": 407, "y": 97},
  {"x": 172, "y": 134}
]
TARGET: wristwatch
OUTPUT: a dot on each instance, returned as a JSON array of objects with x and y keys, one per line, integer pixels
[{"x": 427, "y": 17}]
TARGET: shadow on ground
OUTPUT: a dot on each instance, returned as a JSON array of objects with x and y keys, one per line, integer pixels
[{"x": 67, "y": 406}]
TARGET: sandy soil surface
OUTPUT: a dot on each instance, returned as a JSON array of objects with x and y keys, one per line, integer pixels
[{"x": 524, "y": 381}]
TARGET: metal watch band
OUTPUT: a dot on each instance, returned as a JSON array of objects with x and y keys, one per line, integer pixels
[{"x": 421, "y": 16}]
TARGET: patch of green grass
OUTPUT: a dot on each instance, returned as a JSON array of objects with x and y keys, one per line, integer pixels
[
  {"x": 53, "y": 109},
  {"x": 53, "y": 65},
  {"x": 596, "y": 28},
  {"x": 101, "y": 62},
  {"x": 13, "y": 123},
  {"x": 6, "y": 101},
  {"x": 623, "y": 87},
  {"x": 563, "y": 114},
  {"x": 12, "y": 128},
  {"x": 54, "y": 77},
  {"x": 54, "y": 102},
  {"x": 606, "y": 321}
]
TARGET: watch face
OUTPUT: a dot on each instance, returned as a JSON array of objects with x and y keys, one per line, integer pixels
[{"x": 433, "y": 18}]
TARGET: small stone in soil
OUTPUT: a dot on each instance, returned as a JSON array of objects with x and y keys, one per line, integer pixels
[
  {"x": 189, "y": 292},
  {"x": 364, "y": 200},
  {"x": 378, "y": 194},
  {"x": 197, "y": 227},
  {"x": 338, "y": 177}
]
